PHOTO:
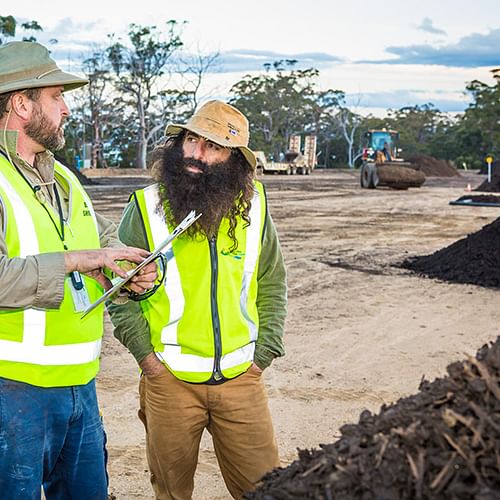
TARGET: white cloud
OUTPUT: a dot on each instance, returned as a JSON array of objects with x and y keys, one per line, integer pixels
[{"x": 324, "y": 33}]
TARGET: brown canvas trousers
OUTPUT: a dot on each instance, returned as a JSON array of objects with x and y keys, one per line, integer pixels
[{"x": 236, "y": 413}]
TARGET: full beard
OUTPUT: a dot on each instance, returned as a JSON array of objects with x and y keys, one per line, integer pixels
[
  {"x": 218, "y": 191},
  {"x": 41, "y": 130}
]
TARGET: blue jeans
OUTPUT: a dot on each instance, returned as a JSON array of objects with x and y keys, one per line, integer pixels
[{"x": 52, "y": 437}]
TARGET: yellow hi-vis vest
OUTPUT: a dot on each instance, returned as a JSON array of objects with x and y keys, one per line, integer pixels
[
  {"x": 53, "y": 347},
  {"x": 204, "y": 320}
]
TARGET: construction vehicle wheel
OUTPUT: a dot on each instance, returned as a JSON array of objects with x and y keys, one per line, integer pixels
[
  {"x": 307, "y": 170},
  {"x": 365, "y": 176},
  {"x": 375, "y": 178}
]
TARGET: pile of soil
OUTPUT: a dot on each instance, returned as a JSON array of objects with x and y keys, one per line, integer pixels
[
  {"x": 494, "y": 185},
  {"x": 480, "y": 198},
  {"x": 397, "y": 177},
  {"x": 474, "y": 259},
  {"x": 443, "y": 442},
  {"x": 432, "y": 167},
  {"x": 484, "y": 167}
]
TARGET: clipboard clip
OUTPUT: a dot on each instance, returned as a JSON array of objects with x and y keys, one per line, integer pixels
[{"x": 118, "y": 283}]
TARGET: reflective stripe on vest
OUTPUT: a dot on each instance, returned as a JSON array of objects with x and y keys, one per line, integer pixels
[
  {"x": 31, "y": 348},
  {"x": 171, "y": 352},
  {"x": 34, "y": 320},
  {"x": 160, "y": 232}
]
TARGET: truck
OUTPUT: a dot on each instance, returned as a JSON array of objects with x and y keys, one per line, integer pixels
[
  {"x": 294, "y": 161},
  {"x": 382, "y": 166}
]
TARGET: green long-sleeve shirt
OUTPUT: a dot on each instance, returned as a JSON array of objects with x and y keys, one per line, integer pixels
[{"x": 132, "y": 329}]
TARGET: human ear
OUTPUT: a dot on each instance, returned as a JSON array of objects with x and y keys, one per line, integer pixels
[{"x": 21, "y": 105}]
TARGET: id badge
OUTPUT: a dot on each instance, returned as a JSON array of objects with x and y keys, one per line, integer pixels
[{"x": 79, "y": 292}]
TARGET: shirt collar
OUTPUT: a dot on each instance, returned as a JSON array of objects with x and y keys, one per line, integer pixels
[{"x": 44, "y": 161}]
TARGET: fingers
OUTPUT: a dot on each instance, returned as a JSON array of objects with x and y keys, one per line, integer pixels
[
  {"x": 134, "y": 287},
  {"x": 126, "y": 255},
  {"x": 147, "y": 275},
  {"x": 101, "y": 279},
  {"x": 149, "y": 269},
  {"x": 131, "y": 254}
]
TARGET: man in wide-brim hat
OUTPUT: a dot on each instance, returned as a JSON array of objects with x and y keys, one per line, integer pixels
[
  {"x": 203, "y": 341},
  {"x": 51, "y": 269}
]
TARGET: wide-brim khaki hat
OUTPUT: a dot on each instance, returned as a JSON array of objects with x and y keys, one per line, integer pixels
[
  {"x": 221, "y": 123},
  {"x": 28, "y": 65}
]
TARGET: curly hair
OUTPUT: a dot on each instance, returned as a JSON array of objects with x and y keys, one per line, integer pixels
[{"x": 223, "y": 190}]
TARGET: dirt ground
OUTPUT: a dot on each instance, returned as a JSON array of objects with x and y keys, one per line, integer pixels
[{"x": 359, "y": 331}]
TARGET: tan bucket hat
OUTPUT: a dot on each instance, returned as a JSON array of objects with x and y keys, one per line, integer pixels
[
  {"x": 221, "y": 123},
  {"x": 28, "y": 65}
]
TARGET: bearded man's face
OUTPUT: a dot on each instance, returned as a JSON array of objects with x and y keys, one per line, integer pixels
[
  {"x": 196, "y": 174},
  {"x": 49, "y": 113},
  {"x": 200, "y": 154}
]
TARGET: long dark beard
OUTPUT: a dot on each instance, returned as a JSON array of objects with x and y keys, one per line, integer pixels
[
  {"x": 46, "y": 134},
  {"x": 221, "y": 190}
]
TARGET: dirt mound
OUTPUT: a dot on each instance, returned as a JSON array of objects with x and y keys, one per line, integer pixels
[
  {"x": 432, "y": 167},
  {"x": 443, "y": 442},
  {"x": 480, "y": 198},
  {"x": 494, "y": 185},
  {"x": 484, "y": 167},
  {"x": 474, "y": 259},
  {"x": 398, "y": 177}
]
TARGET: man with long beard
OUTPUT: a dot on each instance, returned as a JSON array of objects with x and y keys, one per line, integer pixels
[
  {"x": 51, "y": 268},
  {"x": 204, "y": 339}
]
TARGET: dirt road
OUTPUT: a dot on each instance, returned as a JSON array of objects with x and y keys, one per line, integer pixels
[{"x": 360, "y": 332}]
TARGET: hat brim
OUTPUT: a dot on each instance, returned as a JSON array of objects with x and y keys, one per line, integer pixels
[
  {"x": 177, "y": 128},
  {"x": 52, "y": 79}
]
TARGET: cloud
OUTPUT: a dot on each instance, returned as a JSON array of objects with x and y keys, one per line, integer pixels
[
  {"x": 428, "y": 27},
  {"x": 254, "y": 60},
  {"x": 450, "y": 102},
  {"x": 472, "y": 51}
]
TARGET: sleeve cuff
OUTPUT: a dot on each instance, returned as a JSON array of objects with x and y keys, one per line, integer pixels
[
  {"x": 138, "y": 349},
  {"x": 51, "y": 275},
  {"x": 263, "y": 357}
]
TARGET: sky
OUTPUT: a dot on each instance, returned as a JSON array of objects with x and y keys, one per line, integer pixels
[{"x": 382, "y": 54}]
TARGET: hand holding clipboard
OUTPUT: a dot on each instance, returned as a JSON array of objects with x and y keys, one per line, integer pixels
[{"x": 120, "y": 282}]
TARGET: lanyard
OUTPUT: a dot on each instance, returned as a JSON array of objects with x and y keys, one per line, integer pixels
[{"x": 58, "y": 227}]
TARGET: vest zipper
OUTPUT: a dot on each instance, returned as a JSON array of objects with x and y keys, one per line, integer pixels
[{"x": 217, "y": 372}]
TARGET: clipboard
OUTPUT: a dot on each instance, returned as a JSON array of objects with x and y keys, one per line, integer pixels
[{"x": 118, "y": 282}]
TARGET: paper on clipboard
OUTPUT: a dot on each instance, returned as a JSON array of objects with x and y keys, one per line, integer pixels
[{"x": 118, "y": 283}]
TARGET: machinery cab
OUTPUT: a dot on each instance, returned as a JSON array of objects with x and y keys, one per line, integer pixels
[{"x": 381, "y": 145}]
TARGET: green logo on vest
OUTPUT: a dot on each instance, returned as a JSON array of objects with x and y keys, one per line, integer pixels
[
  {"x": 86, "y": 212},
  {"x": 237, "y": 254}
]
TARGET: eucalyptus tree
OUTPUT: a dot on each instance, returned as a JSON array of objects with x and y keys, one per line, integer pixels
[
  {"x": 281, "y": 102},
  {"x": 482, "y": 115},
  {"x": 138, "y": 66},
  {"x": 9, "y": 26},
  {"x": 348, "y": 123},
  {"x": 96, "y": 112},
  {"x": 416, "y": 125}
]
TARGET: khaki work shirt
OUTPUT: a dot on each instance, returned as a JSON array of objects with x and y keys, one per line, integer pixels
[{"x": 38, "y": 280}]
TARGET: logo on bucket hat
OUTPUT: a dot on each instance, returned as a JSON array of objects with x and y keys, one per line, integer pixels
[{"x": 221, "y": 123}]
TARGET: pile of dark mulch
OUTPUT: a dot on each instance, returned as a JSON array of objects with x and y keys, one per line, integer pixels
[
  {"x": 433, "y": 167},
  {"x": 494, "y": 185},
  {"x": 443, "y": 442},
  {"x": 480, "y": 198},
  {"x": 484, "y": 167},
  {"x": 474, "y": 259}
]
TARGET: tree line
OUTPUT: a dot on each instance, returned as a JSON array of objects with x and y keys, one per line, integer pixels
[{"x": 139, "y": 83}]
